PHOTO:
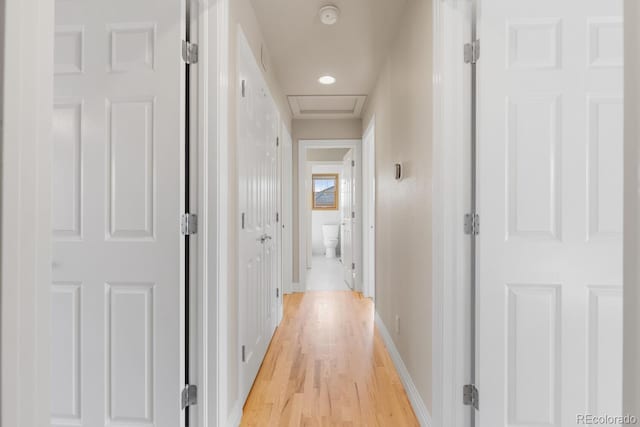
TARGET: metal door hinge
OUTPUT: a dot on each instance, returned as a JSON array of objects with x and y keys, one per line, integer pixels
[
  {"x": 242, "y": 220},
  {"x": 277, "y": 216},
  {"x": 189, "y": 224},
  {"x": 189, "y": 52},
  {"x": 353, "y": 215},
  {"x": 277, "y": 292},
  {"x": 472, "y": 52},
  {"x": 353, "y": 266},
  {"x": 353, "y": 163},
  {"x": 471, "y": 396},
  {"x": 244, "y": 88},
  {"x": 472, "y": 224},
  {"x": 277, "y": 142},
  {"x": 189, "y": 395},
  {"x": 243, "y": 355}
]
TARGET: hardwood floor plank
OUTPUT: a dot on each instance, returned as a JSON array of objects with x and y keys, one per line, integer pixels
[{"x": 328, "y": 366}]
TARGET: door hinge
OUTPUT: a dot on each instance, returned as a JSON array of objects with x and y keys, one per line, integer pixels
[
  {"x": 472, "y": 52},
  {"x": 471, "y": 396},
  {"x": 353, "y": 215},
  {"x": 353, "y": 163},
  {"x": 277, "y": 142},
  {"x": 472, "y": 224},
  {"x": 242, "y": 220},
  {"x": 189, "y": 52},
  {"x": 243, "y": 355},
  {"x": 277, "y": 216},
  {"x": 244, "y": 88},
  {"x": 189, "y": 395},
  {"x": 277, "y": 292},
  {"x": 353, "y": 266},
  {"x": 189, "y": 224}
]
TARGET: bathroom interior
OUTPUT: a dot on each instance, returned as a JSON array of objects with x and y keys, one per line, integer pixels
[{"x": 325, "y": 168}]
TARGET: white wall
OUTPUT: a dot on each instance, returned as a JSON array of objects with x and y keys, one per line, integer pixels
[
  {"x": 631, "y": 376},
  {"x": 402, "y": 104},
  {"x": 319, "y": 218},
  {"x": 326, "y": 154}
]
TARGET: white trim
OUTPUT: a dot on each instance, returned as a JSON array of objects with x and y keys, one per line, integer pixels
[
  {"x": 631, "y": 368},
  {"x": 417, "y": 402},
  {"x": 235, "y": 417},
  {"x": 451, "y": 199},
  {"x": 369, "y": 211},
  {"x": 213, "y": 195},
  {"x": 286, "y": 216},
  {"x": 222, "y": 80},
  {"x": 25, "y": 256},
  {"x": 303, "y": 208}
]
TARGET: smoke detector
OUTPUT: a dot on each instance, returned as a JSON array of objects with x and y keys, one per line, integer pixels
[{"x": 329, "y": 14}]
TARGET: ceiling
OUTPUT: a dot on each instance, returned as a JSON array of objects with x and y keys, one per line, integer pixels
[
  {"x": 326, "y": 106},
  {"x": 302, "y": 49}
]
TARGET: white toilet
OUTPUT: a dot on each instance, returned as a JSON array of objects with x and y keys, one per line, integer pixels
[{"x": 330, "y": 233}]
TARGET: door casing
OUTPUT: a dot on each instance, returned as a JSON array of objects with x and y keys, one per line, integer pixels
[
  {"x": 451, "y": 201},
  {"x": 286, "y": 212},
  {"x": 369, "y": 210}
]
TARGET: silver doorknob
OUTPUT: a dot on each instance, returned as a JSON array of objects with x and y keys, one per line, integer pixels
[{"x": 264, "y": 238}]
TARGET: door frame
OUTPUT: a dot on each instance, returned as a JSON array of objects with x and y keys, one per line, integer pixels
[
  {"x": 631, "y": 369},
  {"x": 304, "y": 210},
  {"x": 212, "y": 269},
  {"x": 26, "y": 232},
  {"x": 286, "y": 208},
  {"x": 26, "y": 256},
  {"x": 369, "y": 211},
  {"x": 451, "y": 201}
]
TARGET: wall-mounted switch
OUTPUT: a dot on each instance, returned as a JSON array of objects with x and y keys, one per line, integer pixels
[{"x": 398, "y": 171}]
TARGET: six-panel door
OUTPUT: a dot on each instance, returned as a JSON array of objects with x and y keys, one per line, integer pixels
[
  {"x": 257, "y": 127},
  {"x": 116, "y": 299},
  {"x": 550, "y": 204}
]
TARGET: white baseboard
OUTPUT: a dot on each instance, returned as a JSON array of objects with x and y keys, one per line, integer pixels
[
  {"x": 419, "y": 407},
  {"x": 235, "y": 417}
]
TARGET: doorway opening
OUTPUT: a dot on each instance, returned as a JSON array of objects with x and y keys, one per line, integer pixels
[
  {"x": 330, "y": 208},
  {"x": 328, "y": 202}
]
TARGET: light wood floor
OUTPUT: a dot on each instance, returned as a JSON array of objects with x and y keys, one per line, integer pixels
[{"x": 327, "y": 365}]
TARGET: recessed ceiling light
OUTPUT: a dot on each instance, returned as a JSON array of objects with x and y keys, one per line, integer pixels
[
  {"x": 329, "y": 14},
  {"x": 327, "y": 80}
]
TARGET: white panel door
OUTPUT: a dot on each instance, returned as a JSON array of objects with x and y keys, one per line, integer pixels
[
  {"x": 257, "y": 178},
  {"x": 117, "y": 305},
  {"x": 550, "y": 204},
  {"x": 347, "y": 207}
]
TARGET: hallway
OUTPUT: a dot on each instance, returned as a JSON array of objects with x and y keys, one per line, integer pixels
[
  {"x": 326, "y": 274},
  {"x": 327, "y": 365}
]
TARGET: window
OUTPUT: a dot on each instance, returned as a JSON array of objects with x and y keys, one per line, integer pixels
[{"x": 325, "y": 192}]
